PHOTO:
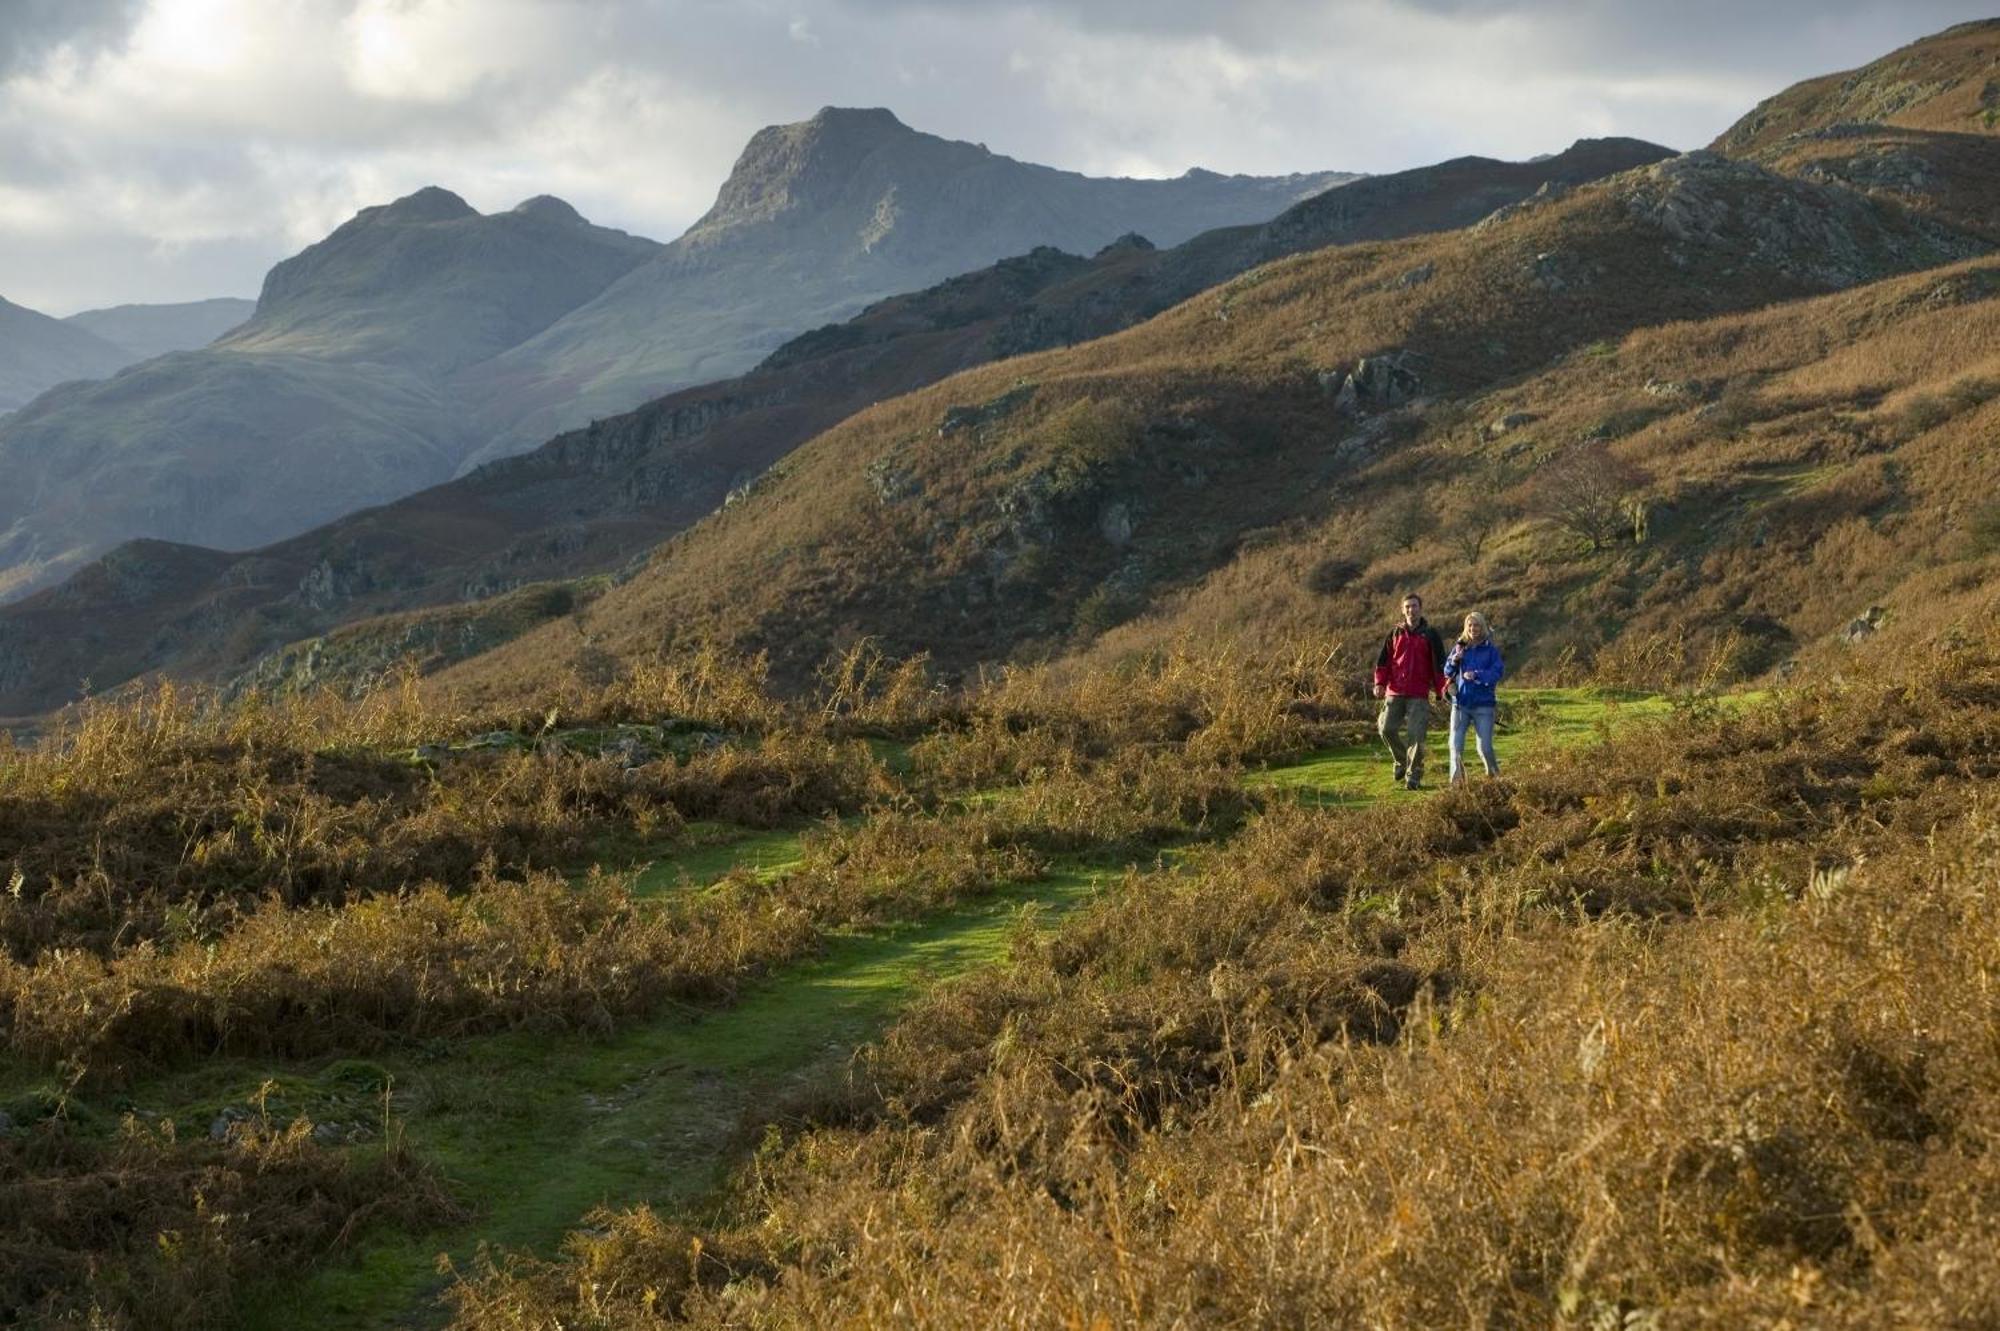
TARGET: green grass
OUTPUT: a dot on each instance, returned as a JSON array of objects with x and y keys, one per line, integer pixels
[
  {"x": 715, "y": 850},
  {"x": 1361, "y": 774},
  {"x": 536, "y": 1130}
]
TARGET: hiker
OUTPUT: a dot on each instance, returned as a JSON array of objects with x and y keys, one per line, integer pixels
[
  {"x": 1408, "y": 673},
  {"x": 1474, "y": 669}
]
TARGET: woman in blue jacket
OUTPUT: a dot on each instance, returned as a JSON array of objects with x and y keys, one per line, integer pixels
[{"x": 1474, "y": 669}]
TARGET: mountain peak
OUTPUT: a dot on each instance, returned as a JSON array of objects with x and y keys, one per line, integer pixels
[
  {"x": 872, "y": 118},
  {"x": 548, "y": 208},
  {"x": 785, "y": 168},
  {"x": 432, "y": 203}
]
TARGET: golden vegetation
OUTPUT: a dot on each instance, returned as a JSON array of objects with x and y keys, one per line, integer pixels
[{"x": 1690, "y": 1028}]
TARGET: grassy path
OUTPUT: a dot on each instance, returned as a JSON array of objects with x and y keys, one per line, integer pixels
[
  {"x": 535, "y": 1130},
  {"x": 1359, "y": 774}
]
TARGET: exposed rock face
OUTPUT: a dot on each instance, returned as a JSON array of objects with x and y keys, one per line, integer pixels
[{"x": 1824, "y": 236}]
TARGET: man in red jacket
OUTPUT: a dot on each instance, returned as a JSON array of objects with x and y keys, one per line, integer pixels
[{"x": 1409, "y": 672}]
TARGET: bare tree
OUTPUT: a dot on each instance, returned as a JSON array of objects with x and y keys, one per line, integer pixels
[{"x": 1587, "y": 491}]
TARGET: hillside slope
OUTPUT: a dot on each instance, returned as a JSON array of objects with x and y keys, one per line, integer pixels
[
  {"x": 816, "y": 220},
  {"x": 590, "y": 500},
  {"x": 1949, "y": 82},
  {"x": 146, "y": 331},
  {"x": 1095, "y": 481},
  {"x": 37, "y": 353}
]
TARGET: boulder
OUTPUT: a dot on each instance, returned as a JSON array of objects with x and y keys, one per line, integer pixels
[
  {"x": 1512, "y": 421},
  {"x": 1387, "y": 380}
]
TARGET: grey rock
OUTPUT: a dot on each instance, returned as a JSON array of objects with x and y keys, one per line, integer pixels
[
  {"x": 1865, "y": 625},
  {"x": 6, "y": 1122},
  {"x": 1115, "y": 523},
  {"x": 1387, "y": 380},
  {"x": 228, "y": 1124},
  {"x": 890, "y": 482},
  {"x": 1347, "y": 401},
  {"x": 1512, "y": 421},
  {"x": 999, "y": 408},
  {"x": 1416, "y": 277}
]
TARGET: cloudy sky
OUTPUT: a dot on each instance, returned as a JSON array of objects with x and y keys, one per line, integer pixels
[{"x": 173, "y": 149}]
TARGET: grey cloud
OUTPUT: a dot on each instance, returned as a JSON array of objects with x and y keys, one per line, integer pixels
[
  {"x": 1095, "y": 85},
  {"x": 30, "y": 29}
]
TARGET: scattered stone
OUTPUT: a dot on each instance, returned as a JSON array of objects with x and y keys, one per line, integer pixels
[
  {"x": 890, "y": 482},
  {"x": 229, "y": 1123},
  {"x": 1671, "y": 388},
  {"x": 1865, "y": 626},
  {"x": 1389, "y": 380},
  {"x": 629, "y": 751},
  {"x": 1512, "y": 421},
  {"x": 6, "y": 1122},
  {"x": 966, "y": 418},
  {"x": 1114, "y": 524},
  {"x": 1416, "y": 277},
  {"x": 1362, "y": 443}
]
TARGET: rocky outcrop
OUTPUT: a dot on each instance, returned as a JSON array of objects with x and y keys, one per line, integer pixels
[{"x": 1822, "y": 236}]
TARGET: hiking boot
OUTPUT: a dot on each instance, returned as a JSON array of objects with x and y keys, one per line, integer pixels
[
  {"x": 1414, "y": 783},
  {"x": 1400, "y": 776}
]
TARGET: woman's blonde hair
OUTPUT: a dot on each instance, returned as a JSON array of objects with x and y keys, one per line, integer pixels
[{"x": 1474, "y": 617}]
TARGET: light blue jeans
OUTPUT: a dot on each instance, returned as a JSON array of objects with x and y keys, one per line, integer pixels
[{"x": 1480, "y": 719}]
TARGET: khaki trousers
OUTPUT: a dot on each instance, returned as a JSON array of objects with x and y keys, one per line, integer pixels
[{"x": 1404, "y": 724}]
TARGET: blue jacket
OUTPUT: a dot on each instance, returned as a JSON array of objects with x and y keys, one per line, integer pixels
[{"x": 1482, "y": 660}]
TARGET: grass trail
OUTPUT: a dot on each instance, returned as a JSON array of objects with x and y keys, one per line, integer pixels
[
  {"x": 1358, "y": 774},
  {"x": 536, "y": 1130}
]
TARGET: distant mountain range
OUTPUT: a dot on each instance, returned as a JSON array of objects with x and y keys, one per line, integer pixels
[
  {"x": 591, "y": 499},
  {"x": 37, "y": 353},
  {"x": 421, "y": 338},
  {"x": 146, "y": 331}
]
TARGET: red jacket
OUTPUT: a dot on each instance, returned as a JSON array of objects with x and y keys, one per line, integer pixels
[{"x": 1411, "y": 663}]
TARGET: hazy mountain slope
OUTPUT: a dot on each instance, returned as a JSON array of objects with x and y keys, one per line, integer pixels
[
  {"x": 1138, "y": 463},
  {"x": 37, "y": 353},
  {"x": 145, "y": 331},
  {"x": 816, "y": 220},
  {"x": 330, "y": 397},
  {"x": 427, "y": 281},
  {"x": 590, "y": 500},
  {"x": 1949, "y": 82}
]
